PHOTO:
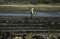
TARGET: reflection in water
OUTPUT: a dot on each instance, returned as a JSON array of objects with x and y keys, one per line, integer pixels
[{"x": 35, "y": 15}]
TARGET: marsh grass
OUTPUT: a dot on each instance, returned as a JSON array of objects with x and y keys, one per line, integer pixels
[{"x": 46, "y": 7}]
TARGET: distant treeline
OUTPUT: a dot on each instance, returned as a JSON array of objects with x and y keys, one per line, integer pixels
[{"x": 30, "y": 1}]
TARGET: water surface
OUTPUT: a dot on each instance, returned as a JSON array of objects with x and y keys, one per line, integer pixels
[{"x": 38, "y": 14}]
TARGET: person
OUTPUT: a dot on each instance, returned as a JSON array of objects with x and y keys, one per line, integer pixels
[{"x": 32, "y": 12}]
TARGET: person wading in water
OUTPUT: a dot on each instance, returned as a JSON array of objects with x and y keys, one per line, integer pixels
[{"x": 32, "y": 12}]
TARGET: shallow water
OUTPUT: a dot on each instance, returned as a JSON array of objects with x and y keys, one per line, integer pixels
[
  {"x": 47, "y": 15},
  {"x": 38, "y": 14}
]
